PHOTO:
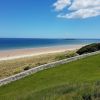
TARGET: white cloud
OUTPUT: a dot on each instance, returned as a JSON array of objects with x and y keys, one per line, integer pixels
[
  {"x": 81, "y": 4},
  {"x": 61, "y": 4},
  {"x": 78, "y": 8}
]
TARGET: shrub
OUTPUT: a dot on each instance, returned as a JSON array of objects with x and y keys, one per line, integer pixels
[
  {"x": 89, "y": 48},
  {"x": 27, "y": 68}
]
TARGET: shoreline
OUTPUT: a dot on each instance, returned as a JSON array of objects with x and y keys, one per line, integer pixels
[{"x": 29, "y": 52}]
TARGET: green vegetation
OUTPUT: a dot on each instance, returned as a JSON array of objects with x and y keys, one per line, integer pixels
[
  {"x": 77, "y": 80},
  {"x": 15, "y": 66},
  {"x": 89, "y": 48}
]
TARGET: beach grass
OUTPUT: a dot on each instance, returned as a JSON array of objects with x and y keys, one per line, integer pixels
[
  {"x": 77, "y": 80},
  {"x": 11, "y": 67}
]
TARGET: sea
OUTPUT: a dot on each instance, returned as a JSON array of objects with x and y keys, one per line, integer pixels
[{"x": 20, "y": 43}]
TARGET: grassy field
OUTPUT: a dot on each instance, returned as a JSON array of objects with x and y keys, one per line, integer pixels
[
  {"x": 15, "y": 66},
  {"x": 78, "y": 80}
]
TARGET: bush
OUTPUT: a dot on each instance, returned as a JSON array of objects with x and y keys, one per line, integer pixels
[
  {"x": 89, "y": 48},
  {"x": 27, "y": 68}
]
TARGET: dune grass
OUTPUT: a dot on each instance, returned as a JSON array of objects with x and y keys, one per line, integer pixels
[
  {"x": 15, "y": 66},
  {"x": 77, "y": 80}
]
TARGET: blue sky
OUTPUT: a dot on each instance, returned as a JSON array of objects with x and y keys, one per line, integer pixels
[{"x": 38, "y": 19}]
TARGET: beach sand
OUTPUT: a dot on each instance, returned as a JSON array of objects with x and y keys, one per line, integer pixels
[{"x": 28, "y": 52}]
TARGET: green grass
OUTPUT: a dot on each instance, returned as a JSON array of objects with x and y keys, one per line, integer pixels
[{"x": 73, "y": 81}]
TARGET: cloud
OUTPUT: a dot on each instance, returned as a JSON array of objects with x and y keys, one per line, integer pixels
[
  {"x": 77, "y": 8},
  {"x": 61, "y": 4}
]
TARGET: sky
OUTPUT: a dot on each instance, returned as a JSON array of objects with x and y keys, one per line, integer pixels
[{"x": 49, "y": 18}]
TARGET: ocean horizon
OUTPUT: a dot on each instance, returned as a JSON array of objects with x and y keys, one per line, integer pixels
[{"x": 21, "y": 43}]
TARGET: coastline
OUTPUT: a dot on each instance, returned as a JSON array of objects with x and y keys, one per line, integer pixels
[{"x": 29, "y": 52}]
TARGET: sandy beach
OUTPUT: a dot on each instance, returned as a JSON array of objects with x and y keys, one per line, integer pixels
[{"x": 28, "y": 52}]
